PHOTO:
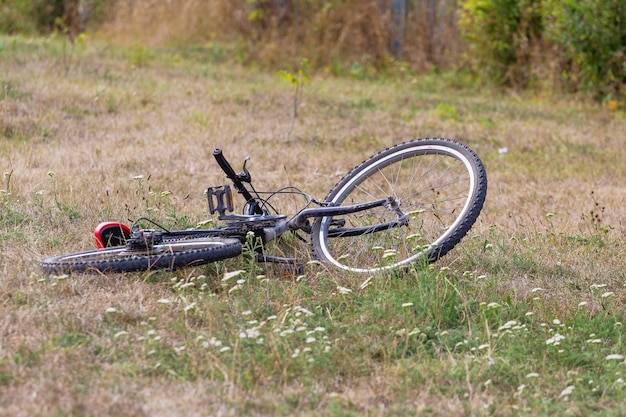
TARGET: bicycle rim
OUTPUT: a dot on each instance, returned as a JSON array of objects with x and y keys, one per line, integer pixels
[
  {"x": 168, "y": 255},
  {"x": 441, "y": 185}
]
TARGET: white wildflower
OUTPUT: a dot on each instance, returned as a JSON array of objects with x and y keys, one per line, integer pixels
[
  {"x": 252, "y": 333},
  {"x": 343, "y": 290},
  {"x": 303, "y": 311},
  {"x": 232, "y": 274},
  {"x": 555, "y": 340},
  {"x": 214, "y": 342},
  {"x": 235, "y": 288},
  {"x": 507, "y": 325},
  {"x": 567, "y": 391}
]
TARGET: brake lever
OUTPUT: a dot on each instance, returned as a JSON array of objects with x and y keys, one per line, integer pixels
[{"x": 245, "y": 175}]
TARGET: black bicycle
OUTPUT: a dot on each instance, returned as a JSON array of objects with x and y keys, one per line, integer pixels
[{"x": 412, "y": 202}]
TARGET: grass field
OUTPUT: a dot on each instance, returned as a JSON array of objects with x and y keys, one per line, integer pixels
[{"x": 524, "y": 317}]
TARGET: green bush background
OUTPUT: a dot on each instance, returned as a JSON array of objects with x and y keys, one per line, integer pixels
[{"x": 548, "y": 45}]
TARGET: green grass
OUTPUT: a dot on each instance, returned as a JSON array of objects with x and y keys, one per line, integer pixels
[{"x": 524, "y": 317}]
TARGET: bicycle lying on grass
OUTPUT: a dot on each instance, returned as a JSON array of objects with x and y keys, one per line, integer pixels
[{"x": 411, "y": 202}]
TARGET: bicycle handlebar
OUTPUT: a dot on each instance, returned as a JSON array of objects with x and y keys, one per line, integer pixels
[
  {"x": 225, "y": 165},
  {"x": 236, "y": 179}
]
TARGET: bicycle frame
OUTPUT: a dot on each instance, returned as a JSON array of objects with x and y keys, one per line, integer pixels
[{"x": 220, "y": 201}]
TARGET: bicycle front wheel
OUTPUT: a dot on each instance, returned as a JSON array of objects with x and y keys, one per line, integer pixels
[
  {"x": 167, "y": 255},
  {"x": 440, "y": 185}
]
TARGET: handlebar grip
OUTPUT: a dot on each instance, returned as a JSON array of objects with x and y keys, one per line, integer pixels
[{"x": 223, "y": 163}]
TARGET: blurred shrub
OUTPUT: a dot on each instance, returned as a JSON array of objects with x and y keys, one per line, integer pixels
[
  {"x": 46, "y": 16},
  {"x": 549, "y": 44},
  {"x": 29, "y": 16},
  {"x": 583, "y": 42},
  {"x": 16, "y": 16},
  {"x": 502, "y": 36},
  {"x": 593, "y": 35}
]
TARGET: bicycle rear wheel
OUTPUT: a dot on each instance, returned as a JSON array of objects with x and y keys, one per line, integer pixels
[
  {"x": 441, "y": 186},
  {"x": 167, "y": 255}
]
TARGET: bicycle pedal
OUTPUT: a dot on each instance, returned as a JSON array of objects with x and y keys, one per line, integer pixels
[{"x": 220, "y": 199}]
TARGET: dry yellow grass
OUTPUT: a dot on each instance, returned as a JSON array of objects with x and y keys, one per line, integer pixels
[{"x": 72, "y": 143}]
